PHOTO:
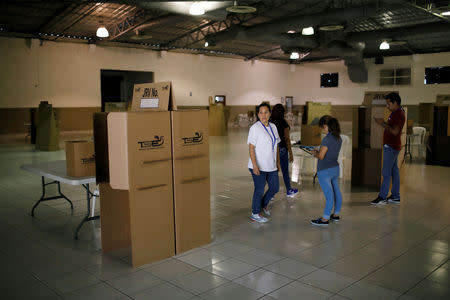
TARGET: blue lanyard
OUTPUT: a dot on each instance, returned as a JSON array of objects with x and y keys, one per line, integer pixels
[{"x": 273, "y": 139}]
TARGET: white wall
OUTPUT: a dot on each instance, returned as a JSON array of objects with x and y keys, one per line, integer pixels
[{"x": 68, "y": 75}]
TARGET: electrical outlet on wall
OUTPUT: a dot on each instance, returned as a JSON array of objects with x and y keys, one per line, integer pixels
[{"x": 190, "y": 94}]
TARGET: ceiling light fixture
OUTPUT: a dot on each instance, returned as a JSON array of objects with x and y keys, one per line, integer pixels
[
  {"x": 446, "y": 13},
  {"x": 308, "y": 31},
  {"x": 294, "y": 55},
  {"x": 384, "y": 45},
  {"x": 102, "y": 32},
  {"x": 291, "y": 31},
  {"x": 240, "y": 9},
  {"x": 206, "y": 44},
  {"x": 197, "y": 9}
]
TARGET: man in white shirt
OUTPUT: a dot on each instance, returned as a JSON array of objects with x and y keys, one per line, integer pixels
[{"x": 264, "y": 162}]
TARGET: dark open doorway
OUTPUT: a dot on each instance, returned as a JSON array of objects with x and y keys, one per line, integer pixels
[{"x": 117, "y": 86}]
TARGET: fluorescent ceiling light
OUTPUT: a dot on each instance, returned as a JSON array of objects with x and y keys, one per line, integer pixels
[
  {"x": 446, "y": 13},
  {"x": 197, "y": 9},
  {"x": 294, "y": 55},
  {"x": 102, "y": 32},
  {"x": 291, "y": 31},
  {"x": 384, "y": 46},
  {"x": 308, "y": 31}
]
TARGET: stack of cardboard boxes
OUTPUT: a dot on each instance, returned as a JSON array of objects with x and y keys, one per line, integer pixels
[
  {"x": 367, "y": 152},
  {"x": 155, "y": 195}
]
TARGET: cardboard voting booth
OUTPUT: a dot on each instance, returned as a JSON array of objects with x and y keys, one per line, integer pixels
[
  {"x": 315, "y": 110},
  {"x": 155, "y": 183},
  {"x": 190, "y": 142},
  {"x": 367, "y": 141},
  {"x": 153, "y": 97},
  {"x": 47, "y": 131}
]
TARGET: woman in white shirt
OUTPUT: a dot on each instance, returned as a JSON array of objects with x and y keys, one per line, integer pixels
[{"x": 264, "y": 162}]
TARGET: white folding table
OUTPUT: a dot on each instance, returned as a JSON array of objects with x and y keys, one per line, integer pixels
[{"x": 56, "y": 170}]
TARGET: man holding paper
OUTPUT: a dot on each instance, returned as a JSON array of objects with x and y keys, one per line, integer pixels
[{"x": 391, "y": 148}]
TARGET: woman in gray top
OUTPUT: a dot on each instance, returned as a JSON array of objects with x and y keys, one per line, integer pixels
[{"x": 328, "y": 169}]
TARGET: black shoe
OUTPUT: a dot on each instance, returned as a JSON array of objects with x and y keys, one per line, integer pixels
[
  {"x": 335, "y": 218},
  {"x": 394, "y": 200},
  {"x": 379, "y": 201},
  {"x": 320, "y": 222}
]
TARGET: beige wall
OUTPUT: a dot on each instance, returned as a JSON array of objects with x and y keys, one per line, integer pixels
[{"x": 68, "y": 75}]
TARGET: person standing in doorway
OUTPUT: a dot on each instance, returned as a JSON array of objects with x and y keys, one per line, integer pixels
[
  {"x": 328, "y": 170},
  {"x": 391, "y": 148},
  {"x": 264, "y": 162},
  {"x": 286, "y": 156}
]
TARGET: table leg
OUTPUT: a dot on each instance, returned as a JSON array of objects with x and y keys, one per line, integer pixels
[
  {"x": 408, "y": 149},
  {"x": 87, "y": 217},
  {"x": 43, "y": 198}
]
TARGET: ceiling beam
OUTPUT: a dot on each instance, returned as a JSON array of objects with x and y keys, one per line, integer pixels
[{"x": 139, "y": 18}]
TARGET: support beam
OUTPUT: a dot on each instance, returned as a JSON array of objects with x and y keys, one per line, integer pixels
[{"x": 141, "y": 17}]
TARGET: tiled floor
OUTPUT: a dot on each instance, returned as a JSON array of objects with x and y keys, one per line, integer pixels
[{"x": 391, "y": 252}]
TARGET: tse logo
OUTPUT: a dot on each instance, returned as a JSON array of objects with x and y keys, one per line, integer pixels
[
  {"x": 153, "y": 144},
  {"x": 193, "y": 140}
]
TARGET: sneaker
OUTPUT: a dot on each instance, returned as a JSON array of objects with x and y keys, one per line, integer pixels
[
  {"x": 266, "y": 211},
  {"x": 392, "y": 199},
  {"x": 379, "y": 201},
  {"x": 335, "y": 218},
  {"x": 292, "y": 192},
  {"x": 258, "y": 218},
  {"x": 320, "y": 222}
]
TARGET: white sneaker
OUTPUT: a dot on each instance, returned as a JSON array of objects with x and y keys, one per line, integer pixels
[
  {"x": 266, "y": 211},
  {"x": 258, "y": 218}
]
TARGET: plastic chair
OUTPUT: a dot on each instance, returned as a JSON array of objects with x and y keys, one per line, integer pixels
[
  {"x": 243, "y": 120},
  {"x": 295, "y": 137},
  {"x": 343, "y": 154},
  {"x": 418, "y": 140}
]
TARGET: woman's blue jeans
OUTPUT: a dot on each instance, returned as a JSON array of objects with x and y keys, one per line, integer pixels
[
  {"x": 284, "y": 162},
  {"x": 259, "y": 198},
  {"x": 390, "y": 169},
  {"x": 328, "y": 180}
]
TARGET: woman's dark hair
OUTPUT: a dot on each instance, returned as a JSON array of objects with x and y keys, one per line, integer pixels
[
  {"x": 277, "y": 113},
  {"x": 261, "y": 105},
  {"x": 333, "y": 125}
]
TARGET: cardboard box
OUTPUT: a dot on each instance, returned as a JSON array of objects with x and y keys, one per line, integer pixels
[
  {"x": 153, "y": 97},
  {"x": 315, "y": 110},
  {"x": 311, "y": 135},
  {"x": 140, "y": 164},
  {"x": 80, "y": 158},
  {"x": 191, "y": 179}
]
